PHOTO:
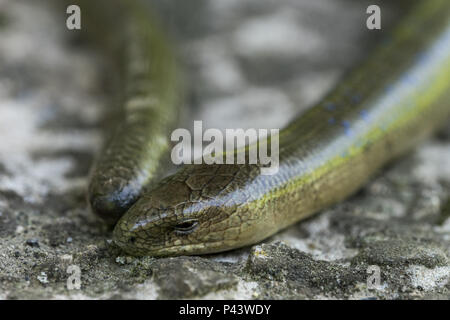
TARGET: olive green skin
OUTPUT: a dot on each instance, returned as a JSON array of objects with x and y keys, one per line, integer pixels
[
  {"x": 397, "y": 97},
  {"x": 137, "y": 153}
]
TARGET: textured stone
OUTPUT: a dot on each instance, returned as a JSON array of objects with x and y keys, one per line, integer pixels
[{"x": 54, "y": 95}]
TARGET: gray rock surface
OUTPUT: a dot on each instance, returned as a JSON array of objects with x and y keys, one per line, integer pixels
[{"x": 263, "y": 60}]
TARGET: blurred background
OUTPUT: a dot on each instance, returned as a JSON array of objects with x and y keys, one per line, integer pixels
[{"x": 247, "y": 64}]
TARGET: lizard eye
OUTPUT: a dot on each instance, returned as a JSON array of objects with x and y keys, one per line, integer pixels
[{"x": 186, "y": 226}]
